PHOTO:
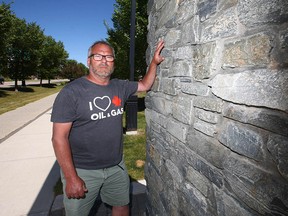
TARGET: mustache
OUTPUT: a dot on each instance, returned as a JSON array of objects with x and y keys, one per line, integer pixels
[{"x": 103, "y": 64}]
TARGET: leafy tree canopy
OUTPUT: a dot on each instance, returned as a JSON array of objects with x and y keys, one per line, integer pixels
[{"x": 119, "y": 38}]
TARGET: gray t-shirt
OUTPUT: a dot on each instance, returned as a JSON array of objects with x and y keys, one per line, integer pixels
[{"x": 96, "y": 136}]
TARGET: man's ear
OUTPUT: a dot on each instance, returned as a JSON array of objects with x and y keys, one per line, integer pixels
[{"x": 88, "y": 62}]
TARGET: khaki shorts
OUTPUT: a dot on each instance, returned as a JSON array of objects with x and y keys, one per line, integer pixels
[{"x": 111, "y": 183}]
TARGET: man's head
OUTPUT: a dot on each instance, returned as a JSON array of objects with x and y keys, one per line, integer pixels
[{"x": 101, "y": 59}]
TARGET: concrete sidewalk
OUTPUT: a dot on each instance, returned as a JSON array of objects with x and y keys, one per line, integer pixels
[{"x": 28, "y": 165}]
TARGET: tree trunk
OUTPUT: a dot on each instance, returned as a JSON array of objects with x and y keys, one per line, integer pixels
[{"x": 16, "y": 85}]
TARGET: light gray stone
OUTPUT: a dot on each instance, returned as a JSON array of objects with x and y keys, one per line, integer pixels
[
  {"x": 253, "y": 13},
  {"x": 169, "y": 86},
  {"x": 204, "y": 127},
  {"x": 207, "y": 116},
  {"x": 254, "y": 88},
  {"x": 190, "y": 31},
  {"x": 204, "y": 63},
  {"x": 182, "y": 109},
  {"x": 195, "y": 88},
  {"x": 183, "y": 53},
  {"x": 210, "y": 104},
  {"x": 225, "y": 25},
  {"x": 172, "y": 37},
  {"x": 181, "y": 69},
  {"x": 177, "y": 129}
]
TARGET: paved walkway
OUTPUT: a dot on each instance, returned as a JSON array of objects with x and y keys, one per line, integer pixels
[{"x": 28, "y": 165}]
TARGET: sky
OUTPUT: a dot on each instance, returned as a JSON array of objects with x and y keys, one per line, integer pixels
[{"x": 77, "y": 23}]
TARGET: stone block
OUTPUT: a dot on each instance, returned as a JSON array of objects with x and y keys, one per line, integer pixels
[
  {"x": 159, "y": 103},
  {"x": 278, "y": 147},
  {"x": 256, "y": 13},
  {"x": 229, "y": 206},
  {"x": 270, "y": 120},
  {"x": 196, "y": 202},
  {"x": 244, "y": 140},
  {"x": 166, "y": 64},
  {"x": 207, "y": 116},
  {"x": 195, "y": 88},
  {"x": 281, "y": 53},
  {"x": 167, "y": 11},
  {"x": 169, "y": 86},
  {"x": 159, "y": 4},
  {"x": 264, "y": 192},
  {"x": 182, "y": 109},
  {"x": 251, "y": 51},
  {"x": 260, "y": 88},
  {"x": 204, "y": 127},
  {"x": 156, "y": 117},
  {"x": 210, "y": 104},
  {"x": 210, "y": 172},
  {"x": 174, "y": 171},
  {"x": 199, "y": 181},
  {"x": 204, "y": 64},
  {"x": 206, "y": 9},
  {"x": 186, "y": 10},
  {"x": 181, "y": 69},
  {"x": 225, "y": 4},
  {"x": 172, "y": 37},
  {"x": 207, "y": 148},
  {"x": 183, "y": 53},
  {"x": 190, "y": 31},
  {"x": 178, "y": 130},
  {"x": 222, "y": 26}
]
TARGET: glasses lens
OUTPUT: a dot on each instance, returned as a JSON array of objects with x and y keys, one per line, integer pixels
[
  {"x": 97, "y": 57},
  {"x": 110, "y": 58}
]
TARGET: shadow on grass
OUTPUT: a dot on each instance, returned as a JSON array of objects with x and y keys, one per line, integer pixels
[
  {"x": 3, "y": 93},
  {"x": 4, "y": 90}
]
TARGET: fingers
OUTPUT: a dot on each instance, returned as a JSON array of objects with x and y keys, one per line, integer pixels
[
  {"x": 76, "y": 192},
  {"x": 158, "y": 58},
  {"x": 160, "y": 45}
]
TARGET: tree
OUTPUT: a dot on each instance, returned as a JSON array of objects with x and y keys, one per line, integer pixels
[
  {"x": 119, "y": 37},
  {"x": 73, "y": 70},
  {"x": 6, "y": 17},
  {"x": 24, "y": 50},
  {"x": 53, "y": 58}
]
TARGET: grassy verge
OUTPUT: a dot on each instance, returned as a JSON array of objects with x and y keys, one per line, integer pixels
[{"x": 10, "y": 99}]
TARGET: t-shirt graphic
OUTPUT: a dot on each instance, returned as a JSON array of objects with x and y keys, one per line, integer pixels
[{"x": 105, "y": 107}]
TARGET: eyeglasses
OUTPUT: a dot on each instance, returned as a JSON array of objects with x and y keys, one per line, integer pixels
[{"x": 99, "y": 57}]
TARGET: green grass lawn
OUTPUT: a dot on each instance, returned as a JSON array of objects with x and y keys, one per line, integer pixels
[
  {"x": 11, "y": 99},
  {"x": 135, "y": 150}
]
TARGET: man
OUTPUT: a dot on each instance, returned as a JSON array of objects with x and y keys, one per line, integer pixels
[{"x": 87, "y": 133}]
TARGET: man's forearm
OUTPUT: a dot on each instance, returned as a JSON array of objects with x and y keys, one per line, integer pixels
[
  {"x": 64, "y": 157},
  {"x": 149, "y": 78}
]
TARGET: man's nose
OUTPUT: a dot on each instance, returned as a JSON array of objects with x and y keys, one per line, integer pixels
[{"x": 104, "y": 59}]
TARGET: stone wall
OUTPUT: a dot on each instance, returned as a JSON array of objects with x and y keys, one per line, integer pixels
[{"x": 217, "y": 116}]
